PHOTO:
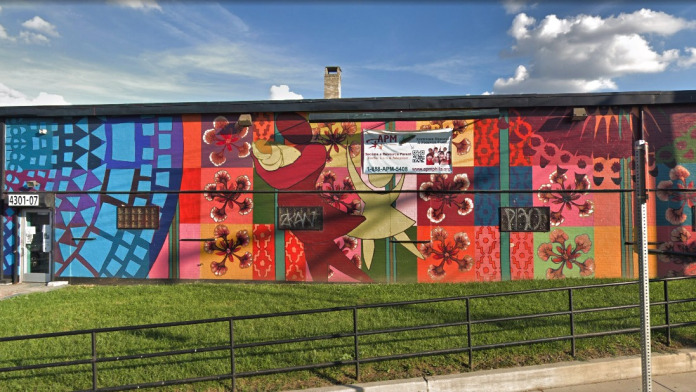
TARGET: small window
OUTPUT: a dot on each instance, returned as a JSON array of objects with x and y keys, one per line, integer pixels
[{"x": 130, "y": 217}]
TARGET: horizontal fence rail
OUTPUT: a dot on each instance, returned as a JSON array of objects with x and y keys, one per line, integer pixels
[
  {"x": 343, "y": 191},
  {"x": 338, "y": 191},
  {"x": 233, "y": 347}
]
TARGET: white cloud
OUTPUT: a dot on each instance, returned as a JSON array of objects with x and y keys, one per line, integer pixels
[
  {"x": 144, "y": 5},
  {"x": 514, "y": 6},
  {"x": 3, "y": 33},
  {"x": 41, "y": 26},
  {"x": 519, "y": 26},
  {"x": 258, "y": 62},
  {"x": 12, "y": 97},
  {"x": 585, "y": 53},
  {"x": 521, "y": 75},
  {"x": 689, "y": 61},
  {"x": 33, "y": 38},
  {"x": 283, "y": 92}
]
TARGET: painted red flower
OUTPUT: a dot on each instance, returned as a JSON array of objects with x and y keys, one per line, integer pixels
[
  {"x": 567, "y": 196},
  {"x": 680, "y": 242},
  {"x": 337, "y": 193},
  {"x": 334, "y": 135},
  {"x": 444, "y": 251},
  {"x": 445, "y": 194},
  {"x": 565, "y": 255},
  {"x": 670, "y": 191},
  {"x": 228, "y": 248},
  {"x": 463, "y": 146},
  {"x": 226, "y": 194},
  {"x": 227, "y": 136}
]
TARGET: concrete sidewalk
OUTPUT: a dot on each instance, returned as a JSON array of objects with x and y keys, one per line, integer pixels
[
  {"x": 670, "y": 372},
  {"x": 671, "y": 382},
  {"x": 12, "y": 290}
]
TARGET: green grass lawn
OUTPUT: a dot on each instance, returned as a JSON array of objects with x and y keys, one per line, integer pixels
[{"x": 88, "y": 307}]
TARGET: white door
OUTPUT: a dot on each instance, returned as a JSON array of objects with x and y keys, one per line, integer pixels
[{"x": 36, "y": 231}]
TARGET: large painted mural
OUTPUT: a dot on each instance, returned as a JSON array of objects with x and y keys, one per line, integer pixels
[{"x": 223, "y": 187}]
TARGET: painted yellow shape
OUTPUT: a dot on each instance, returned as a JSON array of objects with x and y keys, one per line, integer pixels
[
  {"x": 274, "y": 156},
  {"x": 382, "y": 220}
]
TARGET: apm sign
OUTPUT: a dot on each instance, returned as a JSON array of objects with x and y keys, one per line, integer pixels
[{"x": 421, "y": 152}]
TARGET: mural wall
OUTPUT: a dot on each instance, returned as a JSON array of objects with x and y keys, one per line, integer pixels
[{"x": 227, "y": 191}]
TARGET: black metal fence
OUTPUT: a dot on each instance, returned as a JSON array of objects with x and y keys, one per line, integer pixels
[{"x": 463, "y": 320}]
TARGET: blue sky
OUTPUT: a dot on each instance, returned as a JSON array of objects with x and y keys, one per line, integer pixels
[{"x": 128, "y": 51}]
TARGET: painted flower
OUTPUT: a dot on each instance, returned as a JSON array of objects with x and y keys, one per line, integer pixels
[
  {"x": 671, "y": 191},
  {"x": 347, "y": 243},
  {"x": 680, "y": 245},
  {"x": 565, "y": 255},
  {"x": 228, "y": 248},
  {"x": 447, "y": 252},
  {"x": 690, "y": 269},
  {"x": 463, "y": 146},
  {"x": 226, "y": 194},
  {"x": 446, "y": 194},
  {"x": 567, "y": 196},
  {"x": 227, "y": 136},
  {"x": 337, "y": 193},
  {"x": 333, "y": 136}
]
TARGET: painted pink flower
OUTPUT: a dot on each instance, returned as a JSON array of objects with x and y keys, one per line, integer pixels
[
  {"x": 675, "y": 216},
  {"x": 680, "y": 245},
  {"x": 228, "y": 248},
  {"x": 337, "y": 193},
  {"x": 587, "y": 268},
  {"x": 446, "y": 252},
  {"x": 226, "y": 194},
  {"x": 545, "y": 251},
  {"x": 671, "y": 191},
  {"x": 567, "y": 196},
  {"x": 348, "y": 244},
  {"x": 554, "y": 273},
  {"x": 679, "y": 173},
  {"x": 680, "y": 234},
  {"x": 227, "y": 136},
  {"x": 445, "y": 194},
  {"x": 463, "y": 146},
  {"x": 565, "y": 255}
]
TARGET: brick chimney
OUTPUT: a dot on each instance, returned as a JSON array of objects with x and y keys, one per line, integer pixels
[{"x": 332, "y": 82}]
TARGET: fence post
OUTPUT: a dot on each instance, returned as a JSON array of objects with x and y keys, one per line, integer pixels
[
  {"x": 355, "y": 342},
  {"x": 468, "y": 335},
  {"x": 641, "y": 230},
  {"x": 572, "y": 321},
  {"x": 233, "y": 370},
  {"x": 94, "y": 361},
  {"x": 669, "y": 329}
]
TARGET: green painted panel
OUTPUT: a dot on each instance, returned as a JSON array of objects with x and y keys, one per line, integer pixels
[
  {"x": 264, "y": 203},
  {"x": 406, "y": 261}
]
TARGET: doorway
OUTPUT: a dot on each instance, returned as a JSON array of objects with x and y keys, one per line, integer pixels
[{"x": 36, "y": 243}]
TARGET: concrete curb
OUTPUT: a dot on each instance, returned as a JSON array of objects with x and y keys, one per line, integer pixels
[{"x": 533, "y": 377}]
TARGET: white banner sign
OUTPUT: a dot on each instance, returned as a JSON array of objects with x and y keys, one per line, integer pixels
[{"x": 407, "y": 152}]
